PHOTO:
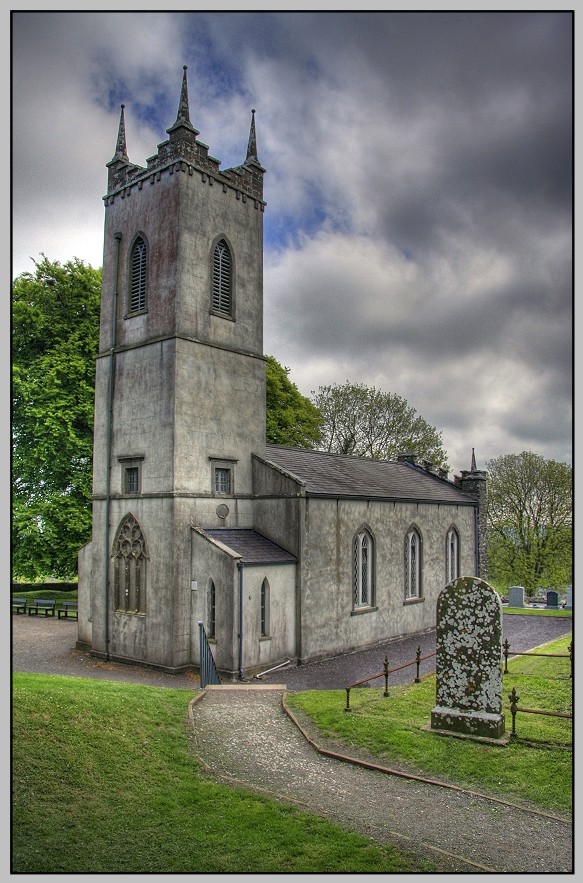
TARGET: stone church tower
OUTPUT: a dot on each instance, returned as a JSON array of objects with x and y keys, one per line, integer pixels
[{"x": 180, "y": 386}]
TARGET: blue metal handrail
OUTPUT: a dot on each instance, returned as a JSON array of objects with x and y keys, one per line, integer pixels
[{"x": 208, "y": 669}]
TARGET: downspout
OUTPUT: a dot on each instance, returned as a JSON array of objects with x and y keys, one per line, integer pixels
[
  {"x": 240, "y": 565},
  {"x": 117, "y": 237},
  {"x": 477, "y": 539}
]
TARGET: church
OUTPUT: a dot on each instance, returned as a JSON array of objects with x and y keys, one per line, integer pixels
[{"x": 282, "y": 554}]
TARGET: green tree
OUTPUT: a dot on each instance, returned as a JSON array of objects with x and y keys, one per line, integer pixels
[
  {"x": 530, "y": 505},
  {"x": 367, "y": 422},
  {"x": 55, "y": 330},
  {"x": 291, "y": 418}
]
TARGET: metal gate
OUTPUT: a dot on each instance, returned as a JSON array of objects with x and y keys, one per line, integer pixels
[{"x": 208, "y": 669}]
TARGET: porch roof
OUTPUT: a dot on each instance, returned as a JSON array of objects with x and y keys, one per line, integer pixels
[{"x": 251, "y": 546}]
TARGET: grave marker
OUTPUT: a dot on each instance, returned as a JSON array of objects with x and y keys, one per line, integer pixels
[
  {"x": 516, "y": 596},
  {"x": 468, "y": 664}
]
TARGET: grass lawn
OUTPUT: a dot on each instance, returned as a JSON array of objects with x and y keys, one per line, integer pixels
[
  {"x": 537, "y": 611},
  {"x": 532, "y": 768},
  {"x": 104, "y": 781}
]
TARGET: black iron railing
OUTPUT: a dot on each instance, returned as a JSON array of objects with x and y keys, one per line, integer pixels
[
  {"x": 386, "y": 672},
  {"x": 515, "y": 708},
  {"x": 506, "y": 651}
]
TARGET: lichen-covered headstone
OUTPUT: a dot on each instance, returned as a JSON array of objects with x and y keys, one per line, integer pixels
[
  {"x": 468, "y": 663},
  {"x": 516, "y": 596}
]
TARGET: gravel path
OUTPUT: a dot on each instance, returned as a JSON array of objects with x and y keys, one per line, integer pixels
[{"x": 244, "y": 736}]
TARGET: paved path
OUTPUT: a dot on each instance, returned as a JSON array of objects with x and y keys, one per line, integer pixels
[
  {"x": 522, "y": 631},
  {"x": 243, "y": 736}
]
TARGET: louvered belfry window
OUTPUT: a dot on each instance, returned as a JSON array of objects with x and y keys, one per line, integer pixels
[
  {"x": 222, "y": 279},
  {"x": 138, "y": 276}
]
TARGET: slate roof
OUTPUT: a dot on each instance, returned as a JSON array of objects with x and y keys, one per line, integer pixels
[
  {"x": 253, "y": 547},
  {"x": 338, "y": 475}
]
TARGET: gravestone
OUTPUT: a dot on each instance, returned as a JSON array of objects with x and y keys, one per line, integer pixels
[
  {"x": 516, "y": 596},
  {"x": 468, "y": 663},
  {"x": 569, "y": 600},
  {"x": 552, "y": 599}
]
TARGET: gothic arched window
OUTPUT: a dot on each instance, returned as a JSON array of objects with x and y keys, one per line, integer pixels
[
  {"x": 138, "y": 276},
  {"x": 452, "y": 553},
  {"x": 413, "y": 564},
  {"x": 222, "y": 280},
  {"x": 129, "y": 562},
  {"x": 265, "y": 608},
  {"x": 363, "y": 570},
  {"x": 211, "y": 599}
]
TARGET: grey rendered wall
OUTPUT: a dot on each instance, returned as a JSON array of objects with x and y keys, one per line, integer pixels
[
  {"x": 217, "y": 415},
  {"x": 209, "y": 562},
  {"x": 329, "y": 625},
  {"x": 261, "y": 653},
  {"x": 280, "y": 521},
  {"x": 84, "y": 560}
]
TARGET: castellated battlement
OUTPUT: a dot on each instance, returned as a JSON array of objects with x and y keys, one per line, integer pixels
[
  {"x": 243, "y": 184},
  {"x": 182, "y": 152}
]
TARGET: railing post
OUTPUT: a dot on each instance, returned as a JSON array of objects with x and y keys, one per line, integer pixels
[
  {"x": 571, "y": 657},
  {"x": 513, "y": 709},
  {"x": 418, "y": 661},
  {"x": 386, "y": 669},
  {"x": 347, "y": 699},
  {"x": 506, "y": 646}
]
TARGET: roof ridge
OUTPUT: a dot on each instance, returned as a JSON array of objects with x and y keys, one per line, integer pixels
[{"x": 352, "y": 457}]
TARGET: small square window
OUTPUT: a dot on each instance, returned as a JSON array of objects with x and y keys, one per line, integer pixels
[
  {"x": 132, "y": 483},
  {"x": 223, "y": 476},
  {"x": 222, "y": 480},
  {"x": 131, "y": 474}
]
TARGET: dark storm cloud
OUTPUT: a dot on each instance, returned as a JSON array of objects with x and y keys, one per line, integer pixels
[{"x": 418, "y": 187}]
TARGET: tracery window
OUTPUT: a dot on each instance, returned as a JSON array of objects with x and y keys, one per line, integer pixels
[
  {"x": 129, "y": 561},
  {"x": 363, "y": 570},
  {"x": 452, "y": 546},
  {"x": 138, "y": 276},
  {"x": 222, "y": 280},
  {"x": 413, "y": 564}
]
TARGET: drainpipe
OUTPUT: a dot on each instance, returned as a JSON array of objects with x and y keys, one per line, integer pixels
[
  {"x": 240, "y": 565},
  {"x": 117, "y": 237},
  {"x": 476, "y": 540}
]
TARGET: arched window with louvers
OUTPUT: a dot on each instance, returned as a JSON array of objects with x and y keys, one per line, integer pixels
[
  {"x": 222, "y": 275},
  {"x": 138, "y": 276}
]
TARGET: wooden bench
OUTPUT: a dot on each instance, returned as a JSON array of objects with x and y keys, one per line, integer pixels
[
  {"x": 42, "y": 605},
  {"x": 19, "y": 605},
  {"x": 69, "y": 608}
]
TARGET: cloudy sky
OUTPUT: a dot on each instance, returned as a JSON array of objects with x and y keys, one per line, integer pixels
[{"x": 418, "y": 230}]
